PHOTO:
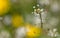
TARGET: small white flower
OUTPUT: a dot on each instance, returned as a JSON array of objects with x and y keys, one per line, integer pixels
[
  {"x": 56, "y": 34},
  {"x": 41, "y": 10},
  {"x": 38, "y": 9},
  {"x": 50, "y": 33},
  {"x": 34, "y": 10},
  {"x": 54, "y": 30},
  {"x": 33, "y": 6},
  {"x": 37, "y": 5},
  {"x": 20, "y": 32}
]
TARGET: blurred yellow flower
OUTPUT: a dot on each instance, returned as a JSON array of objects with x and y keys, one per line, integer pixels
[
  {"x": 33, "y": 31},
  {"x": 4, "y": 6},
  {"x": 17, "y": 20}
]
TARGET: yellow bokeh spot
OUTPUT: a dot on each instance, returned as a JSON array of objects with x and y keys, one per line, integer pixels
[
  {"x": 4, "y": 6},
  {"x": 33, "y": 31},
  {"x": 17, "y": 20}
]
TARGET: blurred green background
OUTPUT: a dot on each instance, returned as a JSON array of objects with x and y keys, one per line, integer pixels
[{"x": 25, "y": 8}]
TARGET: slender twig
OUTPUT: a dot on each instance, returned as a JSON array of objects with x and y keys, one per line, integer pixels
[{"x": 41, "y": 20}]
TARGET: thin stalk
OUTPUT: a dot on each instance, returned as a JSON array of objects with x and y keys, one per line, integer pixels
[{"x": 41, "y": 21}]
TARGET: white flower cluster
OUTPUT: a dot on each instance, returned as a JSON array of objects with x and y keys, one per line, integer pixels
[
  {"x": 6, "y": 20},
  {"x": 4, "y": 34},
  {"x": 53, "y": 32},
  {"x": 37, "y": 18}
]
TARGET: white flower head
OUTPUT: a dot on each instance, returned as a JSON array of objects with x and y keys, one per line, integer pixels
[
  {"x": 7, "y": 20},
  {"x": 41, "y": 10},
  {"x": 54, "y": 30},
  {"x": 38, "y": 5},
  {"x": 38, "y": 9},
  {"x": 33, "y": 6},
  {"x": 34, "y": 10},
  {"x": 20, "y": 32}
]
